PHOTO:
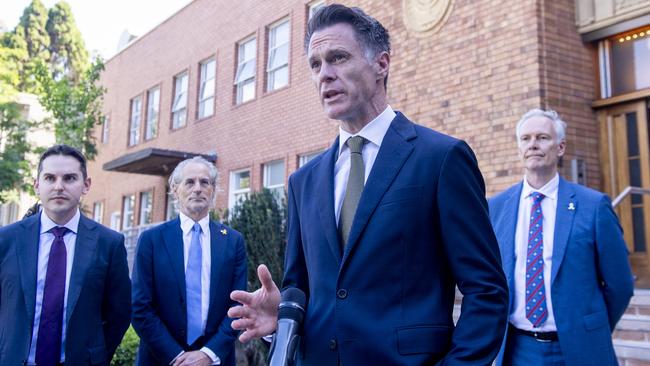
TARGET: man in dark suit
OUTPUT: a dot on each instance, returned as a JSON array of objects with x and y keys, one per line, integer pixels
[
  {"x": 383, "y": 225},
  {"x": 564, "y": 257},
  {"x": 65, "y": 294},
  {"x": 184, "y": 272}
]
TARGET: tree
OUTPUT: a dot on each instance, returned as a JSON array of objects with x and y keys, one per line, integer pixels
[
  {"x": 68, "y": 54},
  {"x": 261, "y": 219},
  {"x": 31, "y": 36},
  {"x": 76, "y": 108},
  {"x": 14, "y": 168}
]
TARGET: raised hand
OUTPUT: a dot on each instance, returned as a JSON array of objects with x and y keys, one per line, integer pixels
[{"x": 259, "y": 314}]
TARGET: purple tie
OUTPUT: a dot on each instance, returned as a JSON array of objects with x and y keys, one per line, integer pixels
[
  {"x": 48, "y": 345},
  {"x": 536, "y": 311}
]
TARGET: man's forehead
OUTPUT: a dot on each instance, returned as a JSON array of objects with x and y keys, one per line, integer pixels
[
  {"x": 336, "y": 34},
  {"x": 60, "y": 165}
]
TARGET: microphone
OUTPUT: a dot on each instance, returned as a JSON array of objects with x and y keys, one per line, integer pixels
[{"x": 290, "y": 316}]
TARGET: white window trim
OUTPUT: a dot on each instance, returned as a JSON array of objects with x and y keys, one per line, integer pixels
[
  {"x": 151, "y": 127},
  {"x": 273, "y": 52},
  {"x": 136, "y": 120},
  {"x": 233, "y": 192},
  {"x": 179, "y": 104},
  {"x": 126, "y": 222},
  {"x": 149, "y": 210},
  {"x": 105, "y": 129},
  {"x": 205, "y": 93},
  {"x": 241, "y": 66},
  {"x": 306, "y": 158},
  {"x": 99, "y": 204},
  {"x": 313, "y": 6}
]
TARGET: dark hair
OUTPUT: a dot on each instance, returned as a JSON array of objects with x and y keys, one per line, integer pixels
[
  {"x": 371, "y": 35},
  {"x": 64, "y": 150}
]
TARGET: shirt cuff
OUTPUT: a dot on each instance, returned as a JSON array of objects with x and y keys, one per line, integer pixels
[
  {"x": 175, "y": 358},
  {"x": 215, "y": 359}
]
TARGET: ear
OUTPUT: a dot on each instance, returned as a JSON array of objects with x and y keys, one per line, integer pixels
[
  {"x": 382, "y": 64},
  {"x": 36, "y": 186},
  {"x": 561, "y": 148},
  {"x": 86, "y": 186}
]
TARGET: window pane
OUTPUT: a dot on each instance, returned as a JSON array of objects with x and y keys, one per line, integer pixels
[
  {"x": 153, "y": 108},
  {"x": 274, "y": 174},
  {"x": 134, "y": 132},
  {"x": 127, "y": 208},
  {"x": 279, "y": 78},
  {"x": 146, "y": 203},
  {"x": 629, "y": 63},
  {"x": 248, "y": 91}
]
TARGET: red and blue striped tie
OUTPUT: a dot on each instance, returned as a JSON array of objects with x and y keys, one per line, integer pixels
[{"x": 536, "y": 311}]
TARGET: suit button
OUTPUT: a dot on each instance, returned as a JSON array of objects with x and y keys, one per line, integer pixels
[
  {"x": 342, "y": 293},
  {"x": 332, "y": 344}
]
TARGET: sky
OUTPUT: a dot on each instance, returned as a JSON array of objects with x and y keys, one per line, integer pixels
[{"x": 102, "y": 22}]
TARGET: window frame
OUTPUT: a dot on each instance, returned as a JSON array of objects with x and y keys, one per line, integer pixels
[
  {"x": 233, "y": 193},
  {"x": 151, "y": 123},
  {"x": 135, "y": 121},
  {"x": 202, "y": 99},
  {"x": 242, "y": 61},
  {"x": 125, "y": 223},
  {"x": 273, "y": 47},
  {"x": 176, "y": 98}
]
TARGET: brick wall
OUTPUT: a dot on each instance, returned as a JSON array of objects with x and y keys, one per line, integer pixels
[{"x": 488, "y": 64}]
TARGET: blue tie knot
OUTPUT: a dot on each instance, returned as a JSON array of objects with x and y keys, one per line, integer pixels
[
  {"x": 196, "y": 227},
  {"x": 59, "y": 231},
  {"x": 537, "y": 197}
]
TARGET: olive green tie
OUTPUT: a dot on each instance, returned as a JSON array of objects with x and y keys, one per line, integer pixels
[{"x": 354, "y": 187}]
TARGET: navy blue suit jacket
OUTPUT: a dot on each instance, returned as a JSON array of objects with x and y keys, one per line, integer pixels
[
  {"x": 159, "y": 309},
  {"x": 99, "y": 293},
  {"x": 591, "y": 280},
  {"x": 420, "y": 229}
]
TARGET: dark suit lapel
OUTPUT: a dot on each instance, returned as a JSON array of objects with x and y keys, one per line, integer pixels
[
  {"x": 567, "y": 205},
  {"x": 324, "y": 175},
  {"x": 27, "y": 252},
  {"x": 394, "y": 151},
  {"x": 173, "y": 239},
  {"x": 218, "y": 249},
  {"x": 84, "y": 252}
]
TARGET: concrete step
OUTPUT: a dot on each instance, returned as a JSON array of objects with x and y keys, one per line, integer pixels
[{"x": 632, "y": 334}]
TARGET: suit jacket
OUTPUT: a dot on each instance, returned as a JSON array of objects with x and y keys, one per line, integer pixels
[
  {"x": 159, "y": 309},
  {"x": 99, "y": 293},
  {"x": 420, "y": 229},
  {"x": 591, "y": 280}
]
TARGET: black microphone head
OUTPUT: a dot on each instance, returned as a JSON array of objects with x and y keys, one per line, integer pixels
[{"x": 292, "y": 305}]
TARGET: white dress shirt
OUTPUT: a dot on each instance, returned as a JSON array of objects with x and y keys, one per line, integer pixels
[
  {"x": 549, "y": 208},
  {"x": 206, "y": 261},
  {"x": 44, "y": 246},
  {"x": 374, "y": 133}
]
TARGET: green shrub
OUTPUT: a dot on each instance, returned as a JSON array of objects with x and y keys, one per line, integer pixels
[{"x": 126, "y": 351}]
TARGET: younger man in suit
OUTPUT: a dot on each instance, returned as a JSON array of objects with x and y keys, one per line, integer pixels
[
  {"x": 563, "y": 255},
  {"x": 65, "y": 294},
  {"x": 184, "y": 272}
]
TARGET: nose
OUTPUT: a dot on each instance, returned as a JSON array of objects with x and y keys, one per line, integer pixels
[
  {"x": 326, "y": 73},
  {"x": 58, "y": 184}
]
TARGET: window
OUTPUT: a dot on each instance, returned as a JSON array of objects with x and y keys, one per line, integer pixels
[
  {"x": 278, "y": 63},
  {"x": 206, "y": 88},
  {"x": 623, "y": 63},
  {"x": 314, "y": 7},
  {"x": 171, "y": 211},
  {"x": 128, "y": 204},
  {"x": 240, "y": 187},
  {"x": 245, "y": 76},
  {"x": 179, "y": 105},
  {"x": 146, "y": 204},
  {"x": 153, "y": 109},
  {"x": 98, "y": 212},
  {"x": 105, "y": 125},
  {"x": 274, "y": 178},
  {"x": 116, "y": 221},
  {"x": 306, "y": 158},
  {"x": 134, "y": 129}
]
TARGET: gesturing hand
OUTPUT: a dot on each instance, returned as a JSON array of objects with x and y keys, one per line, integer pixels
[{"x": 259, "y": 314}]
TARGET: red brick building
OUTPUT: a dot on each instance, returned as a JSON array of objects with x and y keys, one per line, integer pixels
[{"x": 229, "y": 80}]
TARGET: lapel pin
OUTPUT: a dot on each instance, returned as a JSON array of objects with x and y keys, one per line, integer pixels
[
  {"x": 224, "y": 231},
  {"x": 571, "y": 207}
]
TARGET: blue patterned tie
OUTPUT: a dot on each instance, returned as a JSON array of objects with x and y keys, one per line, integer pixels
[
  {"x": 536, "y": 311},
  {"x": 193, "y": 286},
  {"x": 48, "y": 345}
]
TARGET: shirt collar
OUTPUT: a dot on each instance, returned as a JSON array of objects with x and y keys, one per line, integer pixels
[
  {"x": 373, "y": 132},
  {"x": 549, "y": 190},
  {"x": 187, "y": 223},
  {"x": 47, "y": 224}
]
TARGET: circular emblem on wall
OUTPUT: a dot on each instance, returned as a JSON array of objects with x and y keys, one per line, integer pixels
[{"x": 425, "y": 15}]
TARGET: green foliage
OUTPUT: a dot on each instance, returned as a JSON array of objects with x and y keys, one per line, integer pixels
[
  {"x": 10, "y": 65},
  {"x": 127, "y": 350},
  {"x": 69, "y": 57},
  {"x": 32, "y": 38},
  {"x": 14, "y": 168},
  {"x": 261, "y": 219},
  {"x": 76, "y": 107}
]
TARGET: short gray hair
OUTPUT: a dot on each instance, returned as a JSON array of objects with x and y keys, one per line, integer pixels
[
  {"x": 176, "y": 176},
  {"x": 558, "y": 124}
]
